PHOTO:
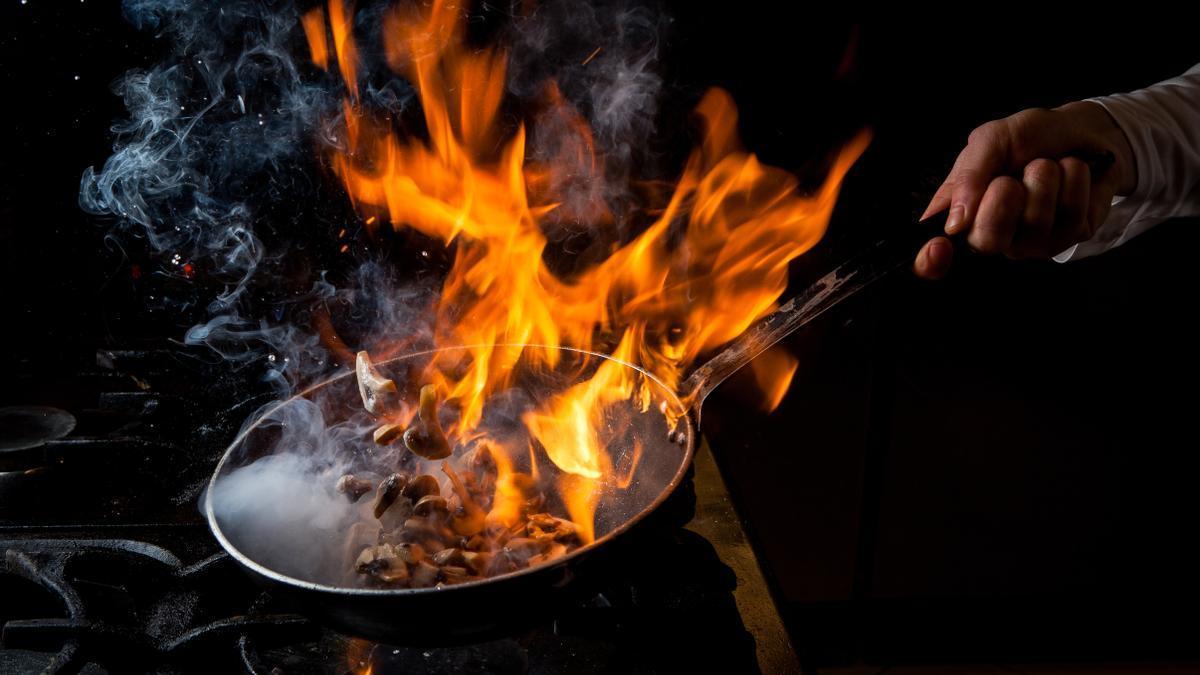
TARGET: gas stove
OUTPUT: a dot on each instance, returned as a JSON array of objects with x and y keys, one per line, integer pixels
[{"x": 110, "y": 567}]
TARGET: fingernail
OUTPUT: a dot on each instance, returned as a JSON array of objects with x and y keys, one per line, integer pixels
[
  {"x": 954, "y": 222},
  {"x": 926, "y": 214},
  {"x": 920, "y": 265},
  {"x": 944, "y": 258}
]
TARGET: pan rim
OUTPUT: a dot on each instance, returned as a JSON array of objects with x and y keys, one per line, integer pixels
[{"x": 258, "y": 568}]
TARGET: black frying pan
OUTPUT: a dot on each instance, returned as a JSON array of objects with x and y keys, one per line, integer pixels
[{"x": 425, "y": 615}]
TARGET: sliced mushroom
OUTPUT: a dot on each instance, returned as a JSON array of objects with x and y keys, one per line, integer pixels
[
  {"x": 425, "y": 437},
  {"x": 388, "y": 433},
  {"x": 495, "y": 530},
  {"x": 353, "y": 487},
  {"x": 394, "y": 574},
  {"x": 494, "y": 535},
  {"x": 394, "y": 518},
  {"x": 545, "y": 525},
  {"x": 523, "y": 548},
  {"x": 432, "y": 545},
  {"x": 429, "y": 533},
  {"x": 383, "y": 563},
  {"x": 372, "y": 557},
  {"x": 449, "y": 556},
  {"x": 422, "y": 486},
  {"x": 358, "y": 536},
  {"x": 409, "y": 553},
  {"x": 468, "y": 519},
  {"x": 483, "y": 459},
  {"x": 431, "y": 505},
  {"x": 555, "y": 550},
  {"x": 477, "y": 562},
  {"x": 389, "y": 491},
  {"x": 501, "y": 562},
  {"x": 392, "y": 535},
  {"x": 377, "y": 391},
  {"x": 485, "y": 487},
  {"x": 546, "y": 521},
  {"x": 423, "y": 575},
  {"x": 453, "y": 574},
  {"x": 535, "y": 503}
]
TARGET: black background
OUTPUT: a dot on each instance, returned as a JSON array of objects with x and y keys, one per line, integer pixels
[{"x": 1001, "y": 466}]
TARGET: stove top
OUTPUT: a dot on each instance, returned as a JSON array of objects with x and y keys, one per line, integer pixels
[{"x": 109, "y": 565}]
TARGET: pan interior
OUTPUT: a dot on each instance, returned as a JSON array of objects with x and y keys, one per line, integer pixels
[{"x": 273, "y": 502}]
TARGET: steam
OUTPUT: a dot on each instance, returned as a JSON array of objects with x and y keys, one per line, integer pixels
[
  {"x": 283, "y": 511},
  {"x": 218, "y": 163}
]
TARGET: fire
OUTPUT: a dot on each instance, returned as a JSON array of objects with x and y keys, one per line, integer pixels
[
  {"x": 314, "y": 30},
  {"x": 568, "y": 425},
  {"x": 713, "y": 259},
  {"x": 773, "y": 371},
  {"x": 358, "y": 656}
]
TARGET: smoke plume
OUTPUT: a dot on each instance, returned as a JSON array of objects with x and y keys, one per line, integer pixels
[{"x": 219, "y": 161}]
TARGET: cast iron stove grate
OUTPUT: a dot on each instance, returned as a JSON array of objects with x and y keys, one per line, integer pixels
[{"x": 108, "y": 565}]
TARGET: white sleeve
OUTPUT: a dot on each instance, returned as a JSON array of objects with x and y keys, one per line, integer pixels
[{"x": 1162, "y": 123}]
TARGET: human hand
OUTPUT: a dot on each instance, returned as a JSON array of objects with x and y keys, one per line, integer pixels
[{"x": 1031, "y": 185}]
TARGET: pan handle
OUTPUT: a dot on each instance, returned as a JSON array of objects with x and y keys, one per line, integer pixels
[
  {"x": 845, "y": 280},
  {"x": 885, "y": 256}
]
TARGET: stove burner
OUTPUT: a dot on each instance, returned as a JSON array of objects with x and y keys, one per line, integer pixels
[
  {"x": 100, "y": 538},
  {"x": 503, "y": 657},
  {"x": 24, "y": 427},
  {"x": 121, "y": 601},
  {"x": 676, "y": 614}
]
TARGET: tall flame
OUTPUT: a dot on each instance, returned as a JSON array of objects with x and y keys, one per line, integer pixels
[{"x": 711, "y": 262}]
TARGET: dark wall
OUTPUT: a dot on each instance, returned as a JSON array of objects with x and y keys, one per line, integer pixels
[
  {"x": 63, "y": 282},
  {"x": 999, "y": 466}
]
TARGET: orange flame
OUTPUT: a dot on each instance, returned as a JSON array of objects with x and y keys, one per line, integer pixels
[
  {"x": 358, "y": 656},
  {"x": 314, "y": 30},
  {"x": 568, "y": 425},
  {"x": 773, "y": 372},
  {"x": 714, "y": 259},
  {"x": 341, "y": 20}
]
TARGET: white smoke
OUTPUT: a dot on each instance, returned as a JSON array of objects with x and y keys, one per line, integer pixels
[
  {"x": 283, "y": 510},
  {"x": 603, "y": 57},
  {"x": 221, "y": 147}
]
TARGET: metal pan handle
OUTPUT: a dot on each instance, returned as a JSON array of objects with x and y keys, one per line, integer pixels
[{"x": 887, "y": 255}]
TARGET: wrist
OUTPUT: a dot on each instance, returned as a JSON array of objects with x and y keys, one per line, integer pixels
[{"x": 1102, "y": 133}]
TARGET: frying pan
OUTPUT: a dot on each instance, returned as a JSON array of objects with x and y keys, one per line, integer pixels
[{"x": 468, "y": 610}]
